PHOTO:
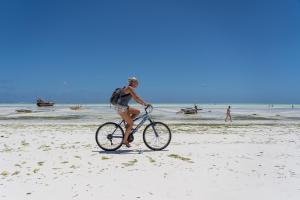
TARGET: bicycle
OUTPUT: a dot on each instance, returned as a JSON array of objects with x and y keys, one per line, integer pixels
[{"x": 156, "y": 135}]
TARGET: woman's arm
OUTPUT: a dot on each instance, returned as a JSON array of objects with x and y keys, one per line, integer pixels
[{"x": 135, "y": 96}]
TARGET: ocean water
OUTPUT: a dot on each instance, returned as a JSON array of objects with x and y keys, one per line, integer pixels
[{"x": 212, "y": 114}]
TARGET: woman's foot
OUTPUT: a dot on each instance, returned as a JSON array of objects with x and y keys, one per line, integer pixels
[{"x": 127, "y": 144}]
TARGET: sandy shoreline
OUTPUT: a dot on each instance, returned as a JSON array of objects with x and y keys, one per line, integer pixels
[{"x": 244, "y": 162}]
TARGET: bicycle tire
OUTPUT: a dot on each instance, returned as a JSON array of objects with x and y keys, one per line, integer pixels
[
  {"x": 100, "y": 142},
  {"x": 168, "y": 133}
]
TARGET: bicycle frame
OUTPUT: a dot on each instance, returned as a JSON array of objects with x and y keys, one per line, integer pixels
[{"x": 144, "y": 118}]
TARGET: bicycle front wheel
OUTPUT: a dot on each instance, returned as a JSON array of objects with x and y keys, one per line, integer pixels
[
  {"x": 157, "y": 136},
  {"x": 109, "y": 136}
]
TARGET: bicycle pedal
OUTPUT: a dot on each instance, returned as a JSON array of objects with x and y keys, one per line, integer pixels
[{"x": 130, "y": 138}]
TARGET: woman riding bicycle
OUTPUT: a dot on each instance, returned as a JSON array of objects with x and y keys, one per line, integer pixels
[{"x": 127, "y": 112}]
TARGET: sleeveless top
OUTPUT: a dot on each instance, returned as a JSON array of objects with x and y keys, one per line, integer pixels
[{"x": 124, "y": 98}]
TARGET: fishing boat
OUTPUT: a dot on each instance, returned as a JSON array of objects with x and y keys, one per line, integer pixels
[
  {"x": 77, "y": 107},
  {"x": 42, "y": 103},
  {"x": 192, "y": 110},
  {"x": 24, "y": 111}
]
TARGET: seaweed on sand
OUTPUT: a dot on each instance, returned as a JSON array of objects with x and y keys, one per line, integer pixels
[
  {"x": 151, "y": 160},
  {"x": 130, "y": 163},
  {"x": 104, "y": 158},
  {"x": 176, "y": 156}
]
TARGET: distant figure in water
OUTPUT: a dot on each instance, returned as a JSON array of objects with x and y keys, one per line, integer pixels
[
  {"x": 292, "y": 105},
  {"x": 228, "y": 115}
]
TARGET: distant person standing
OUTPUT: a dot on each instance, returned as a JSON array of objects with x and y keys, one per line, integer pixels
[
  {"x": 293, "y": 106},
  {"x": 228, "y": 115}
]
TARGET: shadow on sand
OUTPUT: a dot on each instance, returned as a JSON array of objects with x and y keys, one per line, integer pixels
[{"x": 127, "y": 151}]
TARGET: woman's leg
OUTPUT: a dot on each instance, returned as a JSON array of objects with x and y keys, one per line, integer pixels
[
  {"x": 133, "y": 112},
  {"x": 129, "y": 124}
]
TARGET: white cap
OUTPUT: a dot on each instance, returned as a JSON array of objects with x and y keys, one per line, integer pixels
[{"x": 130, "y": 79}]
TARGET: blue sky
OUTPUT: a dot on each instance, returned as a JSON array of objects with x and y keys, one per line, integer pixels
[{"x": 182, "y": 51}]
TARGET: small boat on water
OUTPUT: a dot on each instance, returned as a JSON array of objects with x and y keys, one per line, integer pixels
[
  {"x": 77, "y": 107},
  {"x": 42, "y": 103},
  {"x": 24, "y": 111},
  {"x": 193, "y": 110}
]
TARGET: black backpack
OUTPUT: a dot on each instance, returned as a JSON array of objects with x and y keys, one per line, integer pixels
[{"x": 115, "y": 96}]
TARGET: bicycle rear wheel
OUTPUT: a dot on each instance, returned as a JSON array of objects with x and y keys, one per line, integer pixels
[
  {"x": 109, "y": 136},
  {"x": 157, "y": 136}
]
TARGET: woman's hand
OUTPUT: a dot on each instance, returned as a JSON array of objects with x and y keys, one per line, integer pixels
[{"x": 146, "y": 104}]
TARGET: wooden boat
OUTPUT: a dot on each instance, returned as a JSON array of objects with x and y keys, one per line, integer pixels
[
  {"x": 42, "y": 103},
  {"x": 46, "y": 104},
  {"x": 187, "y": 111},
  {"x": 24, "y": 111},
  {"x": 77, "y": 107}
]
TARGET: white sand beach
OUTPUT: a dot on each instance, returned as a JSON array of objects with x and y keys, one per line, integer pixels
[{"x": 52, "y": 154}]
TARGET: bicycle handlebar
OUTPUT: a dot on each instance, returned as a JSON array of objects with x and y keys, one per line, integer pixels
[{"x": 150, "y": 107}]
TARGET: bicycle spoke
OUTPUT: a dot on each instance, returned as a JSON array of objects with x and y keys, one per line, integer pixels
[
  {"x": 157, "y": 136},
  {"x": 117, "y": 136},
  {"x": 109, "y": 136},
  {"x": 153, "y": 138},
  {"x": 161, "y": 141},
  {"x": 157, "y": 141}
]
